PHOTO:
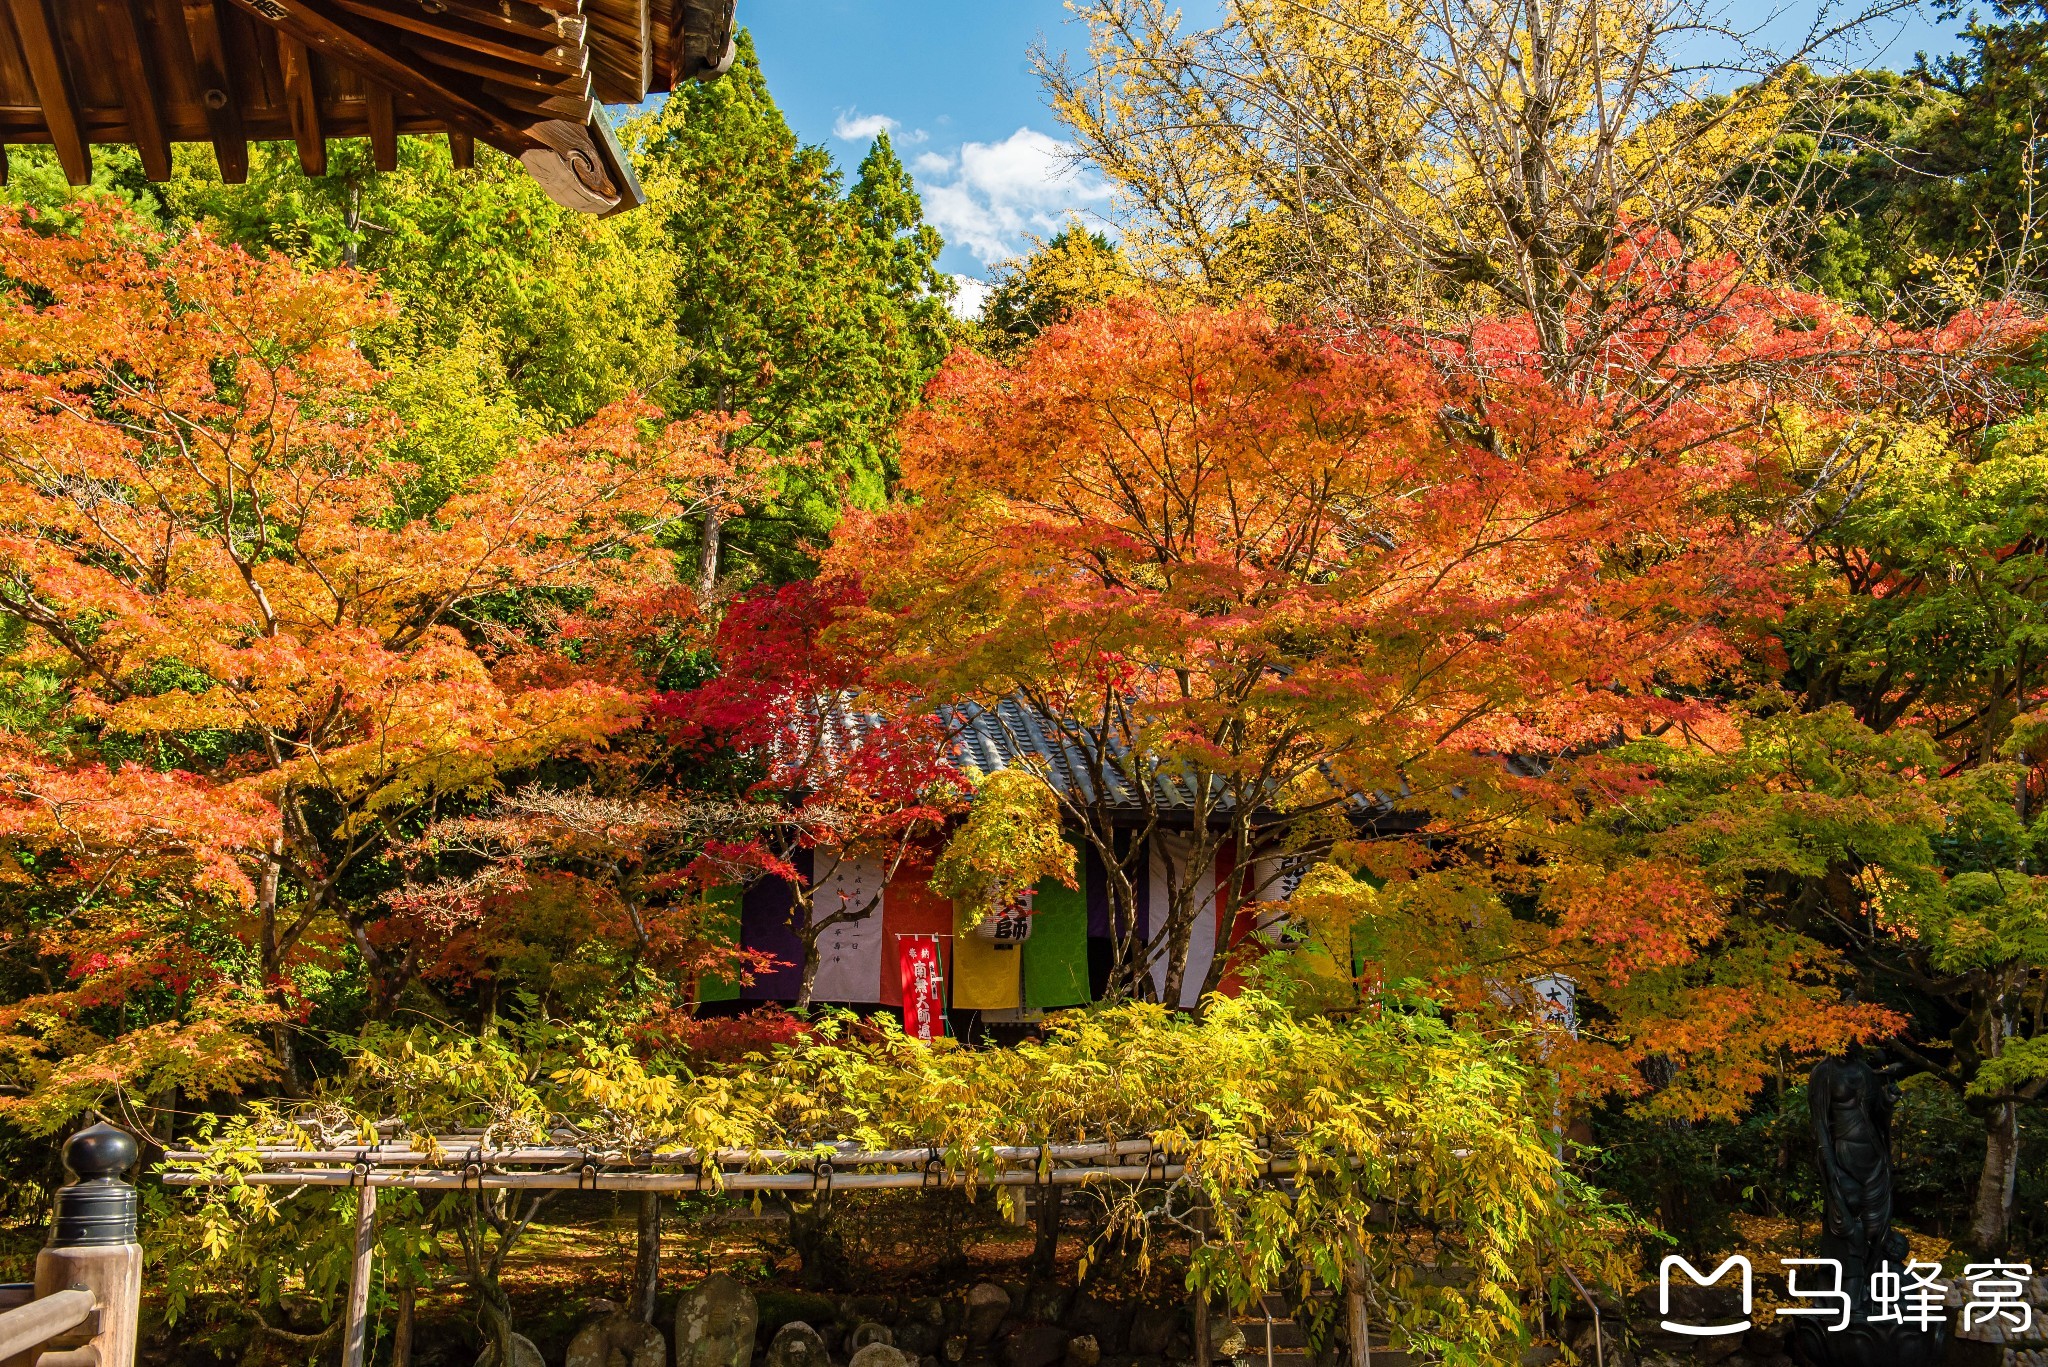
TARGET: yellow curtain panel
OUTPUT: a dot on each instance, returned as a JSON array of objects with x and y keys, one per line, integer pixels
[{"x": 985, "y": 978}]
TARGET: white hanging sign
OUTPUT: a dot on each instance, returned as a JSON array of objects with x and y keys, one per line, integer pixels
[{"x": 1009, "y": 924}]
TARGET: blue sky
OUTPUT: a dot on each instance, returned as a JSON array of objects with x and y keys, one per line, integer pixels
[{"x": 952, "y": 80}]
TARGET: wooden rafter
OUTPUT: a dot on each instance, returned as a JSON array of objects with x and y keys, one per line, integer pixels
[
  {"x": 302, "y": 103},
  {"x": 528, "y": 20},
  {"x": 558, "y": 45},
  {"x": 328, "y": 30},
  {"x": 489, "y": 66},
  {"x": 36, "y": 28},
  {"x": 525, "y": 76},
  {"x": 142, "y": 85}
]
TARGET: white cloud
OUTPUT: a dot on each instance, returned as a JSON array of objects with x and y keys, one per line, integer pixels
[
  {"x": 970, "y": 296},
  {"x": 852, "y": 127},
  {"x": 996, "y": 194}
]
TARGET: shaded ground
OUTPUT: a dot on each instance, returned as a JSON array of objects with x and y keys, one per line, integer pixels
[{"x": 892, "y": 1246}]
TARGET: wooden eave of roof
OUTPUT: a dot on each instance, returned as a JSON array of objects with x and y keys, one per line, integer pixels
[{"x": 528, "y": 77}]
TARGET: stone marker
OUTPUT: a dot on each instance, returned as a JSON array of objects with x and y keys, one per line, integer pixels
[
  {"x": 1108, "y": 1324},
  {"x": 617, "y": 1339},
  {"x": 1047, "y": 1301},
  {"x": 987, "y": 1306},
  {"x": 879, "y": 1355},
  {"x": 796, "y": 1344},
  {"x": 715, "y": 1323},
  {"x": 866, "y": 1332},
  {"x": 1034, "y": 1345},
  {"x": 524, "y": 1354},
  {"x": 1152, "y": 1329},
  {"x": 916, "y": 1338}
]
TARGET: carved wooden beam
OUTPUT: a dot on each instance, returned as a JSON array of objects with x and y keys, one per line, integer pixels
[
  {"x": 582, "y": 166},
  {"x": 324, "y": 27},
  {"x": 36, "y": 27},
  {"x": 200, "y": 22},
  {"x": 701, "y": 54}
]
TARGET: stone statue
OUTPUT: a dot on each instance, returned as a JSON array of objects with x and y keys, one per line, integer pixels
[
  {"x": 1851, "y": 1103},
  {"x": 1852, "y": 1121}
]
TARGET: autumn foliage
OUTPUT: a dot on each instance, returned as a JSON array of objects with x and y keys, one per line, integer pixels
[
  {"x": 1316, "y": 576},
  {"x": 264, "y": 645},
  {"x": 838, "y": 762}
]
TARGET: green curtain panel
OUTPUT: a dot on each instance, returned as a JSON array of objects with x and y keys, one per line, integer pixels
[
  {"x": 1056, "y": 955},
  {"x": 723, "y": 927}
]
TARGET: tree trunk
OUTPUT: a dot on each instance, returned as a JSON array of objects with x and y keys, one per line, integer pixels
[
  {"x": 1991, "y": 1219},
  {"x": 1356, "y": 1327},
  {"x": 707, "y": 554},
  {"x": 809, "y": 977},
  {"x": 272, "y": 965},
  {"x": 497, "y": 1316},
  {"x": 1047, "y": 1253},
  {"x": 401, "y": 1336},
  {"x": 647, "y": 1265},
  {"x": 1179, "y": 936}
]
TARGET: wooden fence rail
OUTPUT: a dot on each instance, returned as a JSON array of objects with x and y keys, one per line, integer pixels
[{"x": 41, "y": 1323}]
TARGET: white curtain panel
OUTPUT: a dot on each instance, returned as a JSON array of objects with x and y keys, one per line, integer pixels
[
  {"x": 850, "y": 953},
  {"x": 1202, "y": 939}
]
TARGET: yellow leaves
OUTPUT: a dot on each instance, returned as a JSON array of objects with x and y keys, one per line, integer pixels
[
  {"x": 1414, "y": 1143},
  {"x": 215, "y": 1051},
  {"x": 1435, "y": 162},
  {"x": 1010, "y": 841}
]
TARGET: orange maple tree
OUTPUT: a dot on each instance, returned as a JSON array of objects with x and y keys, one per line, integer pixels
[
  {"x": 1287, "y": 588},
  {"x": 265, "y": 648}
]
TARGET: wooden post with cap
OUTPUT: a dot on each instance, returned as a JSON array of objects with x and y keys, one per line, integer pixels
[{"x": 92, "y": 1243}]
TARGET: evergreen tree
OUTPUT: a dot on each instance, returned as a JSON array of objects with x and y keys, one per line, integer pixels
[
  {"x": 886, "y": 203},
  {"x": 1923, "y": 187},
  {"x": 816, "y": 315},
  {"x": 1976, "y": 172}
]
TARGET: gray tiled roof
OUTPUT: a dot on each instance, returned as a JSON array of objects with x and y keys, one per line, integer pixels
[{"x": 1012, "y": 732}]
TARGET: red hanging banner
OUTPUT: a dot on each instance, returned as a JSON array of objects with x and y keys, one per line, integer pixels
[{"x": 923, "y": 985}]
